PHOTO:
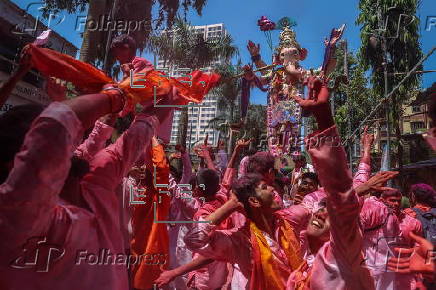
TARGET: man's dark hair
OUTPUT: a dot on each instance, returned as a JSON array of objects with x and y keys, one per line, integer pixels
[
  {"x": 14, "y": 125},
  {"x": 424, "y": 193},
  {"x": 310, "y": 175},
  {"x": 260, "y": 163},
  {"x": 211, "y": 180},
  {"x": 122, "y": 39},
  {"x": 391, "y": 192},
  {"x": 245, "y": 187},
  {"x": 251, "y": 152}
]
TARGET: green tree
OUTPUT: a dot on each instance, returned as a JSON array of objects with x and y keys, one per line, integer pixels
[
  {"x": 255, "y": 126},
  {"x": 183, "y": 47},
  {"x": 94, "y": 41},
  {"x": 228, "y": 91},
  {"x": 391, "y": 25},
  {"x": 352, "y": 101}
]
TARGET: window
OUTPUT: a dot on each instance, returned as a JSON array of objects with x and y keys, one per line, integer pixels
[
  {"x": 416, "y": 109},
  {"x": 417, "y": 125}
]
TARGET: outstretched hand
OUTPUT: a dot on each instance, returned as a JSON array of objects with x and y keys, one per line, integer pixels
[
  {"x": 233, "y": 198},
  {"x": 421, "y": 259},
  {"x": 241, "y": 143},
  {"x": 202, "y": 150},
  {"x": 367, "y": 139},
  {"x": 317, "y": 103},
  {"x": 253, "y": 49},
  {"x": 376, "y": 182},
  {"x": 165, "y": 278}
]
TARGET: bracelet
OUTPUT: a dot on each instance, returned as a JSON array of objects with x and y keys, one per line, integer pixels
[
  {"x": 119, "y": 92},
  {"x": 255, "y": 58}
]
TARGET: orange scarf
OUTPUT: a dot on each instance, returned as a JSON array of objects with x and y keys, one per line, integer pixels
[
  {"x": 150, "y": 239},
  {"x": 89, "y": 79},
  {"x": 302, "y": 277},
  {"x": 267, "y": 273}
]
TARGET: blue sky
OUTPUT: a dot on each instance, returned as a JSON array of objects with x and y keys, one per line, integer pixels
[{"x": 315, "y": 19}]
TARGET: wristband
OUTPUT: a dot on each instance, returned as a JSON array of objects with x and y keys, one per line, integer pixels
[
  {"x": 255, "y": 58},
  {"x": 113, "y": 93}
]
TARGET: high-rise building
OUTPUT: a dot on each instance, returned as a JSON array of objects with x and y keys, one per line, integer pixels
[{"x": 200, "y": 115}]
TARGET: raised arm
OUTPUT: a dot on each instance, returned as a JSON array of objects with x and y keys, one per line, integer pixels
[
  {"x": 168, "y": 276},
  {"x": 345, "y": 246},
  {"x": 205, "y": 239},
  {"x": 96, "y": 140},
  {"x": 364, "y": 168},
  {"x": 254, "y": 51},
  {"x": 23, "y": 68},
  {"x": 187, "y": 166},
  {"x": 204, "y": 152},
  {"x": 111, "y": 164},
  {"x": 29, "y": 194}
]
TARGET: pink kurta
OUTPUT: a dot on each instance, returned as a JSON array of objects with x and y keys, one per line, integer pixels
[
  {"x": 30, "y": 207},
  {"x": 383, "y": 230},
  {"x": 338, "y": 264},
  {"x": 234, "y": 246},
  {"x": 216, "y": 274}
]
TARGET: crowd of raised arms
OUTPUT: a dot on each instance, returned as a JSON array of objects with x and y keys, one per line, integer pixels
[{"x": 81, "y": 209}]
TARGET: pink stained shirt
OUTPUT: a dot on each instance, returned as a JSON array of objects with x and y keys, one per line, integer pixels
[
  {"x": 234, "y": 246},
  {"x": 338, "y": 263},
  {"x": 216, "y": 274},
  {"x": 312, "y": 200},
  {"x": 78, "y": 245},
  {"x": 95, "y": 141},
  {"x": 383, "y": 231}
]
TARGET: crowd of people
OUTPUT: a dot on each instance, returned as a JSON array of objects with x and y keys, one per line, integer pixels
[{"x": 97, "y": 212}]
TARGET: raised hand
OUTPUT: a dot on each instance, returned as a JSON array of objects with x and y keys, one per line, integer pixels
[
  {"x": 317, "y": 103},
  {"x": 243, "y": 143},
  {"x": 202, "y": 151},
  {"x": 253, "y": 49},
  {"x": 165, "y": 278},
  {"x": 376, "y": 182},
  {"x": 421, "y": 259},
  {"x": 238, "y": 205},
  {"x": 367, "y": 139}
]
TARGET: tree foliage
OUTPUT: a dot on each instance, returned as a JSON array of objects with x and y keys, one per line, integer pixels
[
  {"x": 184, "y": 47},
  {"x": 94, "y": 42},
  {"x": 391, "y": 25},
  {"x": 355, "y": 100}
]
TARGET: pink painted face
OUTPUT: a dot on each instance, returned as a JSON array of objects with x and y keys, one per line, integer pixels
[
  {"x": 265, "y": 194},
  {"x": 319, "y": 225},
  {"x": 393, "y": 202}
]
